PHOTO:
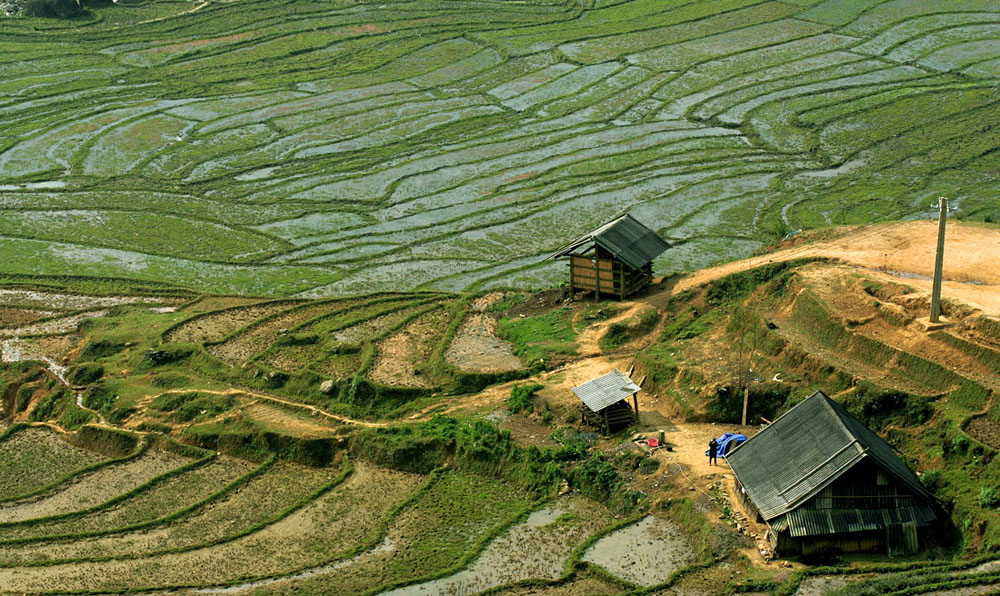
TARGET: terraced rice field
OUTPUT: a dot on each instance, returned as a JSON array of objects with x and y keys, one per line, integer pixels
[
  {"x": 210, "y": 523},
  {"x": 392, "y": 340},
  {"x": 341, "y": 148}
]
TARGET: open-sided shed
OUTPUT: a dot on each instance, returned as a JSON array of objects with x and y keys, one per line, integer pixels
[
  {"x": 605, "y": 401},
  {"x": 614, "y": 259},
  {"x": 822, "y": 480}
]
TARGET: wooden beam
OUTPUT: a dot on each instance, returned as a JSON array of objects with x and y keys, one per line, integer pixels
[{"x": 597, "y": 277}]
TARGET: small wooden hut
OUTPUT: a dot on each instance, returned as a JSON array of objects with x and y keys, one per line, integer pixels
[
  {"x": 615, "y": 259},
  {"x": 605, "y": 401},
  {"x": 822, "y": 480}
]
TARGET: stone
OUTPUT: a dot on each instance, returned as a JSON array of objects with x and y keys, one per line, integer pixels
[{"x": 327, "y": 386}]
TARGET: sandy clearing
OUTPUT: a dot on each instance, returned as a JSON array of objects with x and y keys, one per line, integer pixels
[{"x": 898, "y": 250}]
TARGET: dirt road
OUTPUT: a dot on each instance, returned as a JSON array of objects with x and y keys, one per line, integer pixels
[{"x": 902, "y": 250}]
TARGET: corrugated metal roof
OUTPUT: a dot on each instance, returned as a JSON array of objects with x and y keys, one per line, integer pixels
[
  {"x": 815, "y": 522},
  {"x": 604, "y": 391},
  {"x": 805, "y": 450},
  {"x": 625, "y": 238}
]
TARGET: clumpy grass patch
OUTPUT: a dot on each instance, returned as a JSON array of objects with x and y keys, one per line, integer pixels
[{"x": 539, "y": 337}]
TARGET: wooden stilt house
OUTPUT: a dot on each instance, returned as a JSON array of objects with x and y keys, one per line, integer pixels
[
  {"x": 614, "y": 260},
  {"x": 606, "y": 401},
  {"x": 823, "y": 481}
]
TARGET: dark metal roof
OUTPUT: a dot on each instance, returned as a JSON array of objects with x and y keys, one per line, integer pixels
[
  {"x": 628, "y": 240},
  {"x": 815, "y": 522},
  {"x": 805, "y": 450},
  {"x": 607, "y": 390}
]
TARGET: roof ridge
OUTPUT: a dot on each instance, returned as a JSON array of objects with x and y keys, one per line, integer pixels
[
  {"x": 775, "y": 421},
  {"x": 827, "y": 402}
]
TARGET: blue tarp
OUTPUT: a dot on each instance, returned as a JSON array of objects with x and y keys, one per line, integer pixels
[{"x": 729, "y": 441}]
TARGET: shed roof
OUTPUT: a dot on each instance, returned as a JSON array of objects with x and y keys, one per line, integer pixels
[
  {"x": 805, "y": 450},
  {"x": 606, "y": 390},
  {"x": 625, "y": 238}
]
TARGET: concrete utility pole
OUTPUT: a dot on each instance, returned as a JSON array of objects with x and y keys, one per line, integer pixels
[
  {"x": 939, "y": 261},
  {"x": 746, "y": 401}
]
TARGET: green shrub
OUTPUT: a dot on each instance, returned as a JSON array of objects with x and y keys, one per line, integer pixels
[
  {"x": 616, "y": 336},
  {"x": 960, "y": 445},
  {"x": 522, "y": 397},
  {"x": 86, "y": 373},
  {"x": 765, "y": 400},
  {"x": 167, "y": 355},
  {"x": 878, "y": 408},
  {"x": 649, "y": 465},
  {"x": 101, "y": 348},
  {"x": 74, "y": 417},
  {"x": 47, "y": 407},
  {"x": 989, "y": 497},
  {"x": 185, "y": 407},
  {"x": 931, "y": 479},
  {"x": 739, "y": 285}
]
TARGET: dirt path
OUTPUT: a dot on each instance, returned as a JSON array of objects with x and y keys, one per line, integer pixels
[
  {"x": 588, "y": 341},
  {"x": 274, "y": 415},
  {"x": 901, "y": 249}
]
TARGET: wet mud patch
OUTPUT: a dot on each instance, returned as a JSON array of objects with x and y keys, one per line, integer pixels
[
  {"x": 429, "y": 536},
  {"x": 42, "y": 348},
  {"x": 583, "y": 587},
  {"x": 211, "y": 303},
  {"x": 645, "y": 553},
  {"x": 338, "y": 366},
  {"x": 536, "y": 548},
  {"x": 820, "y": 586},
  {"x": 243, "y": 347}
]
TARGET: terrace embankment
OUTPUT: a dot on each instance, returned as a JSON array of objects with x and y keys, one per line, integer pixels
[{"x": 391, "y": 487}]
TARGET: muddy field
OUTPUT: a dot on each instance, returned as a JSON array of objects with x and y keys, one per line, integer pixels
[{"x": 400, "y": 355}]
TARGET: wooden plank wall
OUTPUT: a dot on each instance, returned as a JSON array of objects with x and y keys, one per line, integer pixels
[{"x": 586, "y": 277}]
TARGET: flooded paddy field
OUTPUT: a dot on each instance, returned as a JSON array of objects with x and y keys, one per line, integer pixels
[{"x": 343, "y": 128}]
